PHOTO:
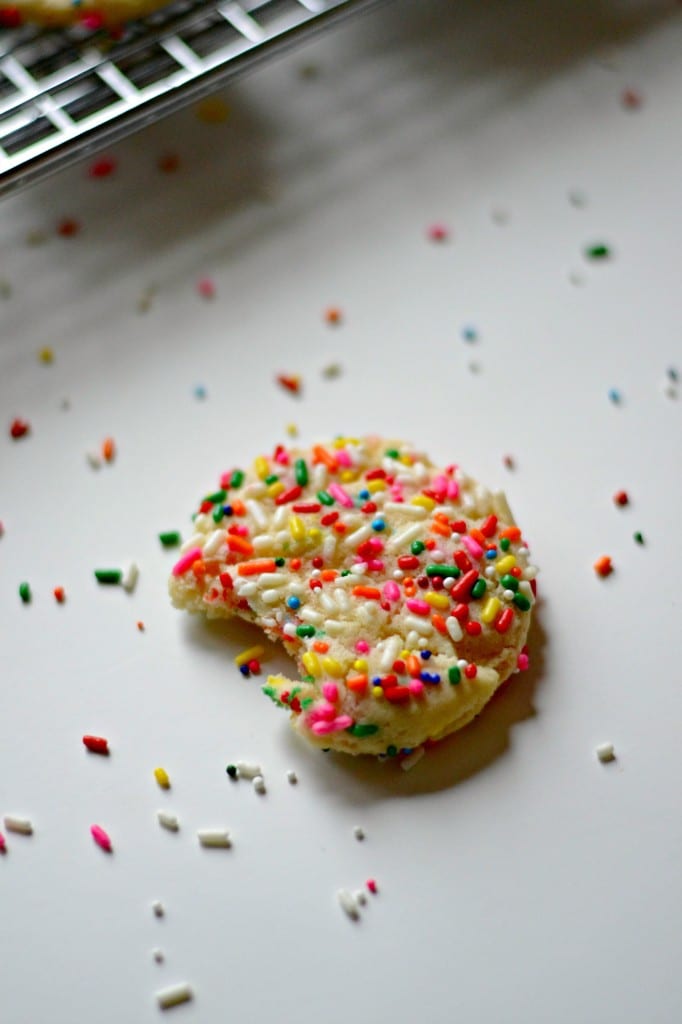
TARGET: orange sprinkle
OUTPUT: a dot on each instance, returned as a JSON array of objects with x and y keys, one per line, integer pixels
[
  {"x": 238, "y": 507},
  {"x": 333, "y": 315},
  {"x": 358, "y": 684},
  {"x": 240, "y": 544},
  {"x": 603, "y": 566},
  {"x": 477, "y": 535},
  {"x": 140, "y": 625},
  {"x": 439, "y": 622},
  {"x": 511, "y": 532},
  {"x": 199, "y": 568},
  {"x": 371, "y": 593},
  {"x": 413, "y": 665},
  {"x": 212, "y": 566},
  {"x": 321, "y": 454},
  {"x": 295, "y": 564},
  {"x": 442, "y": 528},
  {"x": 339, "y": 527},
  {"x": 59, "y": 594},
  {"x": 320, "y": 646},
  {"x": 108, "y": 449},
  {"x": 256, "y": 567},
  {"x": 328, "y": 575}
]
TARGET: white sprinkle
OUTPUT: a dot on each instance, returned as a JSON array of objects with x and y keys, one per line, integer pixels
[
  {"x": 412, "y": 759},
  {"x": 605, "y": 752},
  {"x": 358, "y": 536},
  {"x": 270, "y": 596},
  {"x": 359, "y": 569},
  {"x": 359, "y": 832},
  {"x": 338, "y": 628},
  {"x": 454, "y": 629},
  {"x": 329, "y": 547},
  {"x": 272, "y": 579},
  {"x": 94, "y": 460},
  {"x": 421, "y": 625},
  {"x": 448, "y": 582},
  {"x": 22, "y": 826},
  {"x": 490, "y": 571},
  {"x": 462, "y": 663},
  {"x": 398, "y": 575},
  {"x": 412, "y": 638},
  {"x": 248, "y": 769},
  {"x": 404, "y": 537},
  {"x": 310, "y": 615},
  {"x": 391, "y": 648},
  {"x": 292, "y": 777},
  {"x": 281, "y": 517},
  {"x": 158, "y": 955},
  {"x": 246, "y": 589},
  {"x": 530, "y": 572},
  {"x": 320, "y": 476},
  {"x": 410, "y": 511},
  {"x": 168, "y": 821},
  {"x": 328, "y": 603},
  {"x": 348, "y": 904},
  {"x": 508, "y": 595},
  {"x": 257, "y": 514},
  {"x": 214, "y": 837},
  {"x": 174, "y": 996},
  {"x": 216, "y": 539},
  {"x": 158, "y": 908},
  {"x": 130, "y": 577},
  {"x": 501, "y": 506},
  {"x": 262, "y": 544},
  {"x": 259, "y": 784},
  {"x": 256, "y": 489},
  {"x": 422, "y": 642}
]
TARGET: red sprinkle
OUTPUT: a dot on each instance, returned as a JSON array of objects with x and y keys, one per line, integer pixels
[
  {"x": 3, "y": 844},
  {"x": 621, "y": 498},
  {"x": 437, "y": 233},
  {"x": 631, "y": 99},
  {"x": 408, "y": 562},
  {"x": 19, "y": 428},
  {"x": 102, "y": 167},
  {"x": 59, "y": 594},
  {"x": 372, "y": 885},
  {"x": 312, "y": 506},
  {"x": 290, "y": 383},
  {"x": 68, "y": 227},
  {"x": 10, "y": 17},
  {"x": 96, "y": 744},
  {"x": 291, "y": 495},
  {"x": 206, "y": 287},
  {"x": 473, "y": 628},
  {"x": 603, "y": 566},
  {"x": 504, "y": 620},
  {"x": 463, "y": 586},
  {"x": 470, "y": 671}
]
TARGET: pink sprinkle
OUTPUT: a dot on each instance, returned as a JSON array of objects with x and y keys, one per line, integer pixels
[
  {"x": 225, "y": 479},
  {"x": 187, "y": 561},
  {"x": 391, "y": 591},
  {"x": 522, "y": 662},
  {"x": 453, "y": 489},
  {"x": 375, "y": 565},
  {"x": 397, "y": 492},
  {"x": 417, "y": 606},
  {"x": 416, "y": 687},
  {"x": 472, "y": 546},
  {"x": 206, "y": 287},
  {"x": 362, "y": 647},
  {"x": 330, "y": 691},
  {"x": 343, "y": 458},
  {"x": 101, "y": 838},
  {"x": 92, "y": 21},
  {"x": 439, "y": 486},
  {"x": 341, "y": 723},
  {"x": 282, "y": 457},
  {"x": 341, "y": 495},
  {"x": 372, "y": 885},
  {"x": 3, "y": 843},
  {"x": 322, "y": 712},
  {"x": 322, "y": 728},
  {"x": 437, "y": 233}
]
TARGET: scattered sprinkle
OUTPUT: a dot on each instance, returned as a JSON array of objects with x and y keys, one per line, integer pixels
[
  {"x": 168, "y": 821},
  {"x": 333, "y": 316},
  {"x": 3, "y": 844},
  {"x": 168, "y": 163},
  {"x": 348, "y": 904},
  {"x": 290, "y": 383},
  {"x": 46, "y": 355},
  {"x": 20, "y": 826},
  {"x": 292, "y": 430},
  {"x": 96, "y": 744},
  {"x": 19, "y": 428},
  {"x": 673, "y": 373},
  {"x": 214, "y": 838},
  {"x": 359, "y": 833},
  {"x": 158, "y": 956},
  {"x": 332, "y": 371},
  {"x": 372, "y": 885},
  {"x": 631, "y": 99},
  {"x": 140, "y": 625},
  {"x": 615, "y": 396},
  {"x": 200, "y": 392},
  {"x": 158, "y": 908},
  {"x": 161, "y": 776},
  {"x": 605, "y": 753},
  {"x": 248, "y": 770},
  {"x": 25, "y": 592},
  {"x": 597, "y": 251},
  {"x": 170, "y": 538},
  {"x": 603, "y": 566},
  {"x": 130, "y": 577},
  {"x": 108, "y": 576},
  {"x": 108, "y": 449},
  {"x": 101, "y": 838},
  {"x": 103, "y": 167},
  {"x": 206, "y": 288},
  {"x": 232, "y": 771},
  {"x": 508, "y": 462},
  {"x": 638, "y": 537},
  {"x": 469, "y": 333},
  {"x": 292, "y": 777},
  {"x": 259, "y": 784},
  {"x": 576, "y": 278},
  {"x": 247, "y": 655},
  {"x": 94, "y": 460},
  {"x": 437, "y": 233},
  {"x": 68, "y": 227},
  {"x": 621, "y": 498},
  {"x": 174, "y": 996},
  {"x": 212, "y": 110}
]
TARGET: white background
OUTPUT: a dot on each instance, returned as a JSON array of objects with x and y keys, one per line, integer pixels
[{"x": 520, "y": 880}]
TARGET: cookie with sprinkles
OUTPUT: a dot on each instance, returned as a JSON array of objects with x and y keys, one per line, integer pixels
[
  {"x": 403, "y": 591},
  {"x": 92, "y": 14}
]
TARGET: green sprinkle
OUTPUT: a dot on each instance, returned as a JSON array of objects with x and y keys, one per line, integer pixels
[
  {"x": 639, "y": 537},
  {"x": 170, "y": 539},
  {"x": 479, "y": 588},
  {"x": 505, "y": 543},
  {"x": 216, "y": 497},
  {"x": 510, "y": 582},
  {"x": 362, "y": 729},
  {"x": 308, "y": 679},
  {"x": 392, "y": 453},
  {"x": 307, "y": 701},
  {"x": 599, "y": 251},
  {"x": 279, "y": 562},
  {"x": 217, "y": 513},
  {"x": 232, "y": 771},
  {"x": 325, "y": 497},
  {"x": 269, "y": 691},
  {"x": 416, "y": 547},
  {"x": 237, "y": 478},
  {"x": 345, "y": 572},
  {"x": 25, "y": 593},
  {"x": 301, "y": 471},
  {"x": 305, "y": 630},
  {"x": 454, "y": 674},
  {"x": 108, "y": 575},
  {"x": 521, "y": 602},
  {"x": 391, "y": 750},
  {"x": 272, "y": 479},
  {"x": 442, "y": 570}
]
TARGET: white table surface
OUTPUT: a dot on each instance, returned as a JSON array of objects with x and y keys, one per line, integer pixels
[{"x": 520, "y": 880}]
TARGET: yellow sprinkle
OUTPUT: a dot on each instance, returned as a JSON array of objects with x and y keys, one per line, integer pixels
[
  {"x": 292, "y": 430},
  {"x": 437, "y": 600},
  {"x": 505, "y": 564},
  {"x": 249, "y": 654},
  {"x": 360, "y": 664},
  {"x": 424, "y": 501},
  {"x": 347, "y": 476},
  {"x": 314, "y": 533},
  {"x": 261, "y": 467},
  {"x": 404, "y": 654},
  {"x": 46, "y": 355},
  {"x": 490, "y": 609},
  {"x": 161, "y": 776},
  {"x": 376, "y": 485},
  {"x": 377, "y": 692},
  {"x": 296, "y": 528},
  {"x": 311, "y": 663},
  {"x": 275, "y": 488},
  {"x": 406, "y": 460},
  {"x": 332, "y": 667}
]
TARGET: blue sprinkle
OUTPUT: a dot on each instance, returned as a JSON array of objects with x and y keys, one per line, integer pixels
[
  {"x": 425, "y": 655},
  {"x": 227, "y": 510},
  {"x": 429, "y": 677},
  {"x": 293, "y": 602},
  {"x": 244, "y": 669},
  {"x": 673, "y": 373},
  {"x": 378, "y": 525},
  {"x": 364, "y": 494},
  {"x": 614, "y": 396},
  {"x": 376, "y": 681},
  {"x": 469, "y": 333},
  {"x": 491, "y": 553},
  {"x": 200, "y": 391}
]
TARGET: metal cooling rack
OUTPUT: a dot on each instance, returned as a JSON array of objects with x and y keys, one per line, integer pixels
[{"x": 67, "y": 93}]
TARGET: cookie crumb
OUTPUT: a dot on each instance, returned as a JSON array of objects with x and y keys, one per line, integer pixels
[
  {"x": 158, "y": 908},
  {"x": 93, "y": 460},
  {"x": 605, "y": 752},
  {"x": 332, "y": 371},
  {"x": 359, "y": 833},
  {"x": 292, "y": 777},
  {"x": 46, "y": 355}
]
